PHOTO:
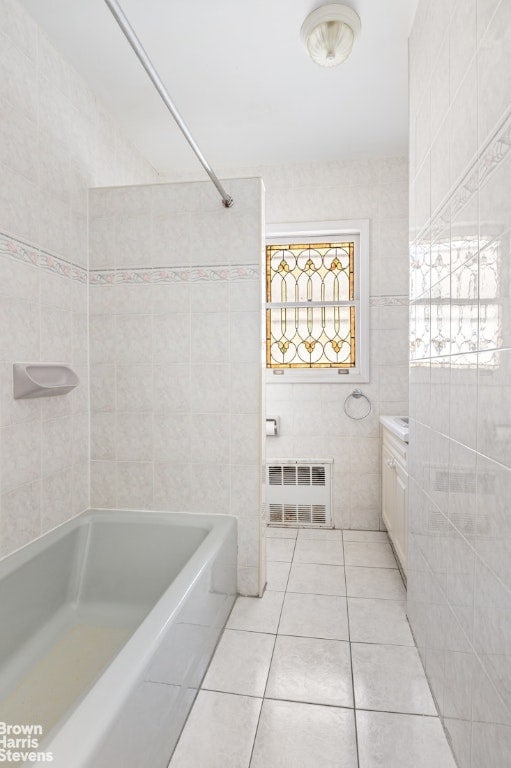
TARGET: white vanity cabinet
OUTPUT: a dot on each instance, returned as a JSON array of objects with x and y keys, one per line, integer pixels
[{"x": 395, "y": 491}]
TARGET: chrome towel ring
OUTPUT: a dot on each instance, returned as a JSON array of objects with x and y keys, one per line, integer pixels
[{"x": 357, "y": 394}]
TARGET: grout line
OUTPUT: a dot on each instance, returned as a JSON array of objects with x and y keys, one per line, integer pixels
[
  {"x": 393, "y": 645},
  {"x": 397, "y": 712},
  {"x": 272, "y": 655},
  {"x": 300, "y": 562},
  {"x": 351, "y": 660},
  {"x": 316, "y": 637},
  {"x": 233, "y": 693},
  {"x": 380, "y": 567},
  {"x": 319, "y": 704},
  {"x": 310, "y": 703},
  {"x": 250, "y": 631},
  {"x": 312, "y": 637},
  {"x": 318, "y": 594},
  {"x": 387, "y": 599}
]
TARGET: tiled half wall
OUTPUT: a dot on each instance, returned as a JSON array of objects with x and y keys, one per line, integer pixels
[{"x": 175, "y": 352}]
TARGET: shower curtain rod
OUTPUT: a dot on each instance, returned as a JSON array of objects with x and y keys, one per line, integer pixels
[{"x": 144, "y": 59}]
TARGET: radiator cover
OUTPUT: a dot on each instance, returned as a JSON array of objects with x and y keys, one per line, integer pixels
[{"x": 299, "y": 492}]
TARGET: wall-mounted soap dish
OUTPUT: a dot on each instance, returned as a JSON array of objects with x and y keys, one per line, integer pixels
[{"x": 42, "y": 380}]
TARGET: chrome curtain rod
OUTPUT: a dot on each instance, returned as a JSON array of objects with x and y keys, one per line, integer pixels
[{"x": 144, "y": 59}]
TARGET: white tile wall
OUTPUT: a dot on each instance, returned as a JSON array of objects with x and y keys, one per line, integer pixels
[
  {"x": 312, "y": 419},
  {"x": 45, "y": 171},
  {"x": 313, "y": 422},
  {"x": 43, "y": 443},
  {"x": 175, "y": 353},
  {"x": 459, "y": 581}
]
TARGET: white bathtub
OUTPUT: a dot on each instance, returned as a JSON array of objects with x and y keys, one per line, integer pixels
[{"x": 107, "y": 626}]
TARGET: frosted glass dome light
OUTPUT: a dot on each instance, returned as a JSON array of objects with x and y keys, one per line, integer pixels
[{"x": 329, "y": 32}]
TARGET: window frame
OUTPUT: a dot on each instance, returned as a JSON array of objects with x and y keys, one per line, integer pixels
[{"x": 321, "y": 231}]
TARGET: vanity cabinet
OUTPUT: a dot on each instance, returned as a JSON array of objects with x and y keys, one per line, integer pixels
[{"x": 395, "y": 492}]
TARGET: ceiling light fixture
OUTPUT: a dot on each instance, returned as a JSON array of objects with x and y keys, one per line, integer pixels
[{"x": 329, "y": 32}]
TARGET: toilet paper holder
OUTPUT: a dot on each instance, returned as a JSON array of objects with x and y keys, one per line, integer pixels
[{"x": 272, "y": 426}]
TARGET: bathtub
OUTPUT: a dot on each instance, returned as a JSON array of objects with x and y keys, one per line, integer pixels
[{"x": 108, "y": 623}]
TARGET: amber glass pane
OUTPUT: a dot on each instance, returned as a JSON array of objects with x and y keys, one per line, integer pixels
[
  {"x": 303, "y": 337},
  {"x": 306, "y": 336},
  {"x": 318, "y": 272}
]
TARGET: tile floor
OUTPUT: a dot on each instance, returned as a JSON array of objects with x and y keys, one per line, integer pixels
[{"x": 322, "y": 671}]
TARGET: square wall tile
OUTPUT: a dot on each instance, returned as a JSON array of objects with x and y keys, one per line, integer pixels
[{"x": 21, "y": 516}]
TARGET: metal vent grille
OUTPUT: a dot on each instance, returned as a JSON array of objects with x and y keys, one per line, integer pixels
[
  {"x": 299, "y": 492},
  {"x": 298, "y": 474},
  {"x": 298, "y": 514}
]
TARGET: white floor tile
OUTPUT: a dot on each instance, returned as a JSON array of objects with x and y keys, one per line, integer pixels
[
  {"x": 324, "y": 534},
  {"x": 257, "y": 614},
  {"x": 379, "y": 621},
  {"x": 317, "y": 551},
  {"x": 369, "y": 554},
  {"x": 374, "y": 536},
  {"x": 307, "y": 720},
  {"x": 281, "y": 533},
  {"x": 399, "y": 741},
  {"x": 314, "y": 616},
  {"x": 241, "y": 663},
  {"x": 311, "y": 670},
  {"x": 384, "y": 583},
  {"x": 390, "y": 678},
  {"x": 277, "y": 575},
  {"x": 219, "y": 732},
  {"x": 317, "y": 579},
  {"x": 280, "y": 549},
  {"x": 292, "y": 735}
]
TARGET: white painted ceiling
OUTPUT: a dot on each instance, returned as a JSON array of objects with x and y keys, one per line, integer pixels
[{"x": 241, "y": 78}]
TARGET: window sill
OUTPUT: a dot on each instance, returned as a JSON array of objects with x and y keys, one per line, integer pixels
[{"x": 315, "y": 376}]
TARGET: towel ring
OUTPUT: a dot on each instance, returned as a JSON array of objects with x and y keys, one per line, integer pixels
[{"x": 357, "y": 394}]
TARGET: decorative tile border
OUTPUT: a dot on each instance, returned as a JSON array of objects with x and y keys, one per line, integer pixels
[
  {"x": 194, "y": 274},
  {"x": 496, "y": 151},
  {"x": 483, "y": 165},
  {"x": 28, "y": 254}
]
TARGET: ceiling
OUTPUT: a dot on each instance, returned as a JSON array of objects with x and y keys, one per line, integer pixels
[{"x": 239, "y": 75}]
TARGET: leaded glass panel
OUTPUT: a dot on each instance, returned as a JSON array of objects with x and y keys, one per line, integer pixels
[{"x": 310, "y": 318}]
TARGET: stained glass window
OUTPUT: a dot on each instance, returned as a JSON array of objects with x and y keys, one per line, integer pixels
[{"x": 310, "y": 310}]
